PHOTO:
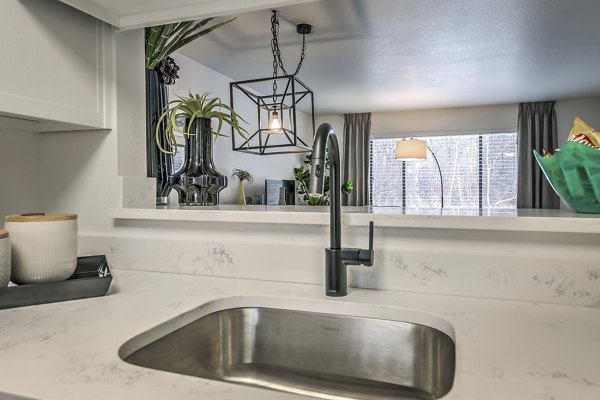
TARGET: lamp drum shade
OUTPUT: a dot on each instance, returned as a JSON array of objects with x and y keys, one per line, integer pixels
[{"x": 411, "y": 150}]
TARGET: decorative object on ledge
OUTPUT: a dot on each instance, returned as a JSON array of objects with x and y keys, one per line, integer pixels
[
  {"x": 197, "y": 182},
  {"x": 242, "y": 176},
  {"x": 91, "y": 278},
  {"x": 574, "y": 170},
  {"x": 257, "y": 199},
  {"x": 574, "y": 174},
  {"x": 416, "y": 150},
  {"x": 277, "y": 125},
  {"x": 43, "y": 247},
  {"x": 282, "y": 196},
  {"x": 273, "y": 192},
  {"x": 302, "y": 176},
  {"x": 161, "y": 70}
]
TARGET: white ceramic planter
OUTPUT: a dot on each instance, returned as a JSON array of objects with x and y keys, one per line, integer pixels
[
  {"x": 43, "y": 247},
  {"x": 4, "y": 258}
]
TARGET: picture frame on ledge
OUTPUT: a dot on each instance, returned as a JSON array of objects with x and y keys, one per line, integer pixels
[{"x": 272, "y": 188}]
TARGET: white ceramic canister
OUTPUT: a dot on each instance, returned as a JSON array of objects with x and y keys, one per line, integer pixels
[
  {"x": 4, "y": 258},
  {"x": 43, "y": 247}
]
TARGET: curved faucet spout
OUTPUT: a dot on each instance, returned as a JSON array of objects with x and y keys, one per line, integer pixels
[
  {"x": 336, "y": 258},
  {"x": 326, "y": 138}
]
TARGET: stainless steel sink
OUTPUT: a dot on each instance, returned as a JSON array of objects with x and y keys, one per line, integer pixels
[{"x": 316, "y": 354}]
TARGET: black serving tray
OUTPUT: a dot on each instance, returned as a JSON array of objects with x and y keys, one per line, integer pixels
[{"x": 91, "y": 278}]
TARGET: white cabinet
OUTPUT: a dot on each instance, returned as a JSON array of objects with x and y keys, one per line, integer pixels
[
  {"x": 55, "y": 68},
  {"x": 138, "y": 13}
]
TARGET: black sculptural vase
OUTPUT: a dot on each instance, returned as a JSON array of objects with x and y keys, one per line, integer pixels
[
  {"x": 198, "y": 182},
  {"x": 159, "y": 164}
]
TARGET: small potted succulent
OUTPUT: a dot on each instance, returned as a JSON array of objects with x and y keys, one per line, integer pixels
[
  {"x": 198, "y": 182},
  {"x": 242, "y": 176}
]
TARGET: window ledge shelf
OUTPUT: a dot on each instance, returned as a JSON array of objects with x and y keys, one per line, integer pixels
[{"x": 529, "y": 220}]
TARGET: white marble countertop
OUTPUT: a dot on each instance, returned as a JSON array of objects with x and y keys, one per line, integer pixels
[
  {"x": 532, "y": 220},
  {"x": 505, "y": 350}
]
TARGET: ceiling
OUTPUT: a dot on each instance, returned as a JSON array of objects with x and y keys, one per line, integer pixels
[
  {"x": 385, "y": 55},
  {"x": 131, "y": 14}
]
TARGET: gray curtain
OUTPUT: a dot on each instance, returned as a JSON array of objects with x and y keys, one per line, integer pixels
[
  {"x": 536, "y": 129},
  {"x": 357, "y": 132}
]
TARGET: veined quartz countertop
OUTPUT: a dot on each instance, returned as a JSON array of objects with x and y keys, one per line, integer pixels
[
  {"x": 505, "y": 350},
  {"x": 534, "y": 220}
]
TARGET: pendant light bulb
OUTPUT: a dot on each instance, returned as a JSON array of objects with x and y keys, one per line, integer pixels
[{"x": 275, "y": 125}]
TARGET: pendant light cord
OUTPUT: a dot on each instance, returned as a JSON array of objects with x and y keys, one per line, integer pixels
[{"x": 277, "y": 60}]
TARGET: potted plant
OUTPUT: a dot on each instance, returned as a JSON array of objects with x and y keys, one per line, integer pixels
[
  {"x": 302, "y": 176},
  {"x": 197, "y": 182},
  {"x": 242, "y": 176},
  {"x": 161, "y": 70}
]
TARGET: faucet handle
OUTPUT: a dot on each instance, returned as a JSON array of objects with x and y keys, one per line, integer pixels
[
  {"x": 366, "y": 257},
  {"x": 371, "y": 228}
]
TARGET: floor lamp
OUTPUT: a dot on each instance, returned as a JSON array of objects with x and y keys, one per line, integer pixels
[{"x": 416, "y": 150}]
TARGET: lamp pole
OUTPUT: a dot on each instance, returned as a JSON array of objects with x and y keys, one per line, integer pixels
[{"x": 440, "y": 171}]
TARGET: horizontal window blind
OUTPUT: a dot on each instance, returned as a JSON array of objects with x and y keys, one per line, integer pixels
[{"x": 499, "y": 171}]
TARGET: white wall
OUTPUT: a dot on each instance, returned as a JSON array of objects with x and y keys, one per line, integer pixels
[
  {"x": 443, "y": 121},
  {"x": 79, "y": 175},
  {"x": 198, "y": 78},
  {"x": 131, "y": 103},
  {"x": 78, "y": 169},
  {"x": 19, "y": 172},
  {"x": 490, "y": 119},
  {"x": 337, "y": 121}
]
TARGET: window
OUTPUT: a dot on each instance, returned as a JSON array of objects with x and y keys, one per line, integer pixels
[
  {"x": 179, "y": 158},
  {"x": 479, "y": 171}
]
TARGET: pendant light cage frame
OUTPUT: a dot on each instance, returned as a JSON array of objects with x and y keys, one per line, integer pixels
[
  {"x": 285, "y": 93},
  {"x": 285, "y": 102}
]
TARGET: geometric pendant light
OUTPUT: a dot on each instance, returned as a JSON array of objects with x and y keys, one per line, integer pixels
[{"x": 276, "y": 126}]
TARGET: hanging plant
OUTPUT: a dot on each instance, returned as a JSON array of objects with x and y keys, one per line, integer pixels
[
  {"x": 193, "y": 107},
  {"x": 163, "y": 40}
]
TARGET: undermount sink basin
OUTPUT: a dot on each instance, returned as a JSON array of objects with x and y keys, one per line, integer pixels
[{"x": 328, "y": 354}]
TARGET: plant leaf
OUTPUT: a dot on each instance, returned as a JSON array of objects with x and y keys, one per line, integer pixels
[{"x": 175, "y": 45}]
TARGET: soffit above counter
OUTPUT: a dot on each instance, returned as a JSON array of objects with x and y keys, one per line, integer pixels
[
  {"x": 139, "y": 13},
  {"x": 526, "y": 220}
]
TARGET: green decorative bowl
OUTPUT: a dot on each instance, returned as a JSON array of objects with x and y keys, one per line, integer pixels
[{"x": 574, "y": 173}]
